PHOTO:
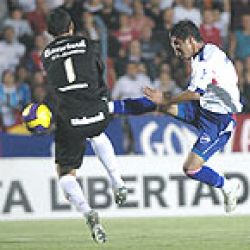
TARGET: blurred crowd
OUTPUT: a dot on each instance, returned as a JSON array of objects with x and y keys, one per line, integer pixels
[{"x": 137, "y": 51}]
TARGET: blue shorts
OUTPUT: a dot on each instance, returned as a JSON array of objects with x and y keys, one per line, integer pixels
[{"x": 214, "y": 130}]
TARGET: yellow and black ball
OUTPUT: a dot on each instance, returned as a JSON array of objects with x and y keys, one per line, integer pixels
[{"x": 37, "y": 118}]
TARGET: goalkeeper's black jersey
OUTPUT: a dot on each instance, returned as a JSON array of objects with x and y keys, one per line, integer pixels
[{"x": 74, "y": 71}]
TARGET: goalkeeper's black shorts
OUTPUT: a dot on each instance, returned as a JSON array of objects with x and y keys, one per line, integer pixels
[{"x": 71, "y": 135}]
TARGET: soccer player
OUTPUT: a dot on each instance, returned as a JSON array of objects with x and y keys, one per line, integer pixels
[
  {"x": 211, "y": 99},
  {"x": 74, "y": 71}
]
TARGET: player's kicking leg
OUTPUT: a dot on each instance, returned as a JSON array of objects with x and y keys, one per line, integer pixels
[
  {"x": 105, "y": 152},
  {"x": 73, "y": 192},
  {"x": 139, "y": 106},
  {"x": 194, "y": 166}
]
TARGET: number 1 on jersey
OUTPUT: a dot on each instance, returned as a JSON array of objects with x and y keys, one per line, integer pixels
[{"x": 68, "y": 64}]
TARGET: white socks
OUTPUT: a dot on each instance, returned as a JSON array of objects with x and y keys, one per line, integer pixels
[
  {"x": 105, "y": 152},
  {"x": 74, "y": 193}
]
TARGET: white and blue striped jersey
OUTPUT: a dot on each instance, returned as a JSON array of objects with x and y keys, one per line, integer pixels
[{"x": 214, "y": 77}]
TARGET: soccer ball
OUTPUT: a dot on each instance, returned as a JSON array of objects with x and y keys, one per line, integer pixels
[{"x": 37, "y": 118}]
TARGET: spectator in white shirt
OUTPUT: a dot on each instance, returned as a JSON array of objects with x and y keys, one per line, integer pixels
[
  {"x": 131, "y": 84},
  {"x": 20, "y": 25},
  {"x": 186, "y": 10},
  {"x": 11, "y": 51}
]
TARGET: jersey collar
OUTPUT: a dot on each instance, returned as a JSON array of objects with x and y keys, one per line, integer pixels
[{"x": 200, "y": 54}]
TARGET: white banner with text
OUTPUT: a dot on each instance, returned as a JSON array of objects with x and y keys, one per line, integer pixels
[{"x": 157, "y": 187}]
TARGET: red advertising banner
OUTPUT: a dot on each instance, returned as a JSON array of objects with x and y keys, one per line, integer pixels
[{"x": 241, "y": 138}]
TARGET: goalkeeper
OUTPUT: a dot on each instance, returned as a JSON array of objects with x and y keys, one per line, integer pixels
[{"x": 74, "y": 70}]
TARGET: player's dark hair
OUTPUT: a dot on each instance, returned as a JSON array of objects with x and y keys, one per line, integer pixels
[
  {"x": 58, "y": 22},
  {"x": 185, "y": 29}
]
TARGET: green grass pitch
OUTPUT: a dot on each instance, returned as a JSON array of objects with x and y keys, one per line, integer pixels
[{"x": 198, "y": 233}]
